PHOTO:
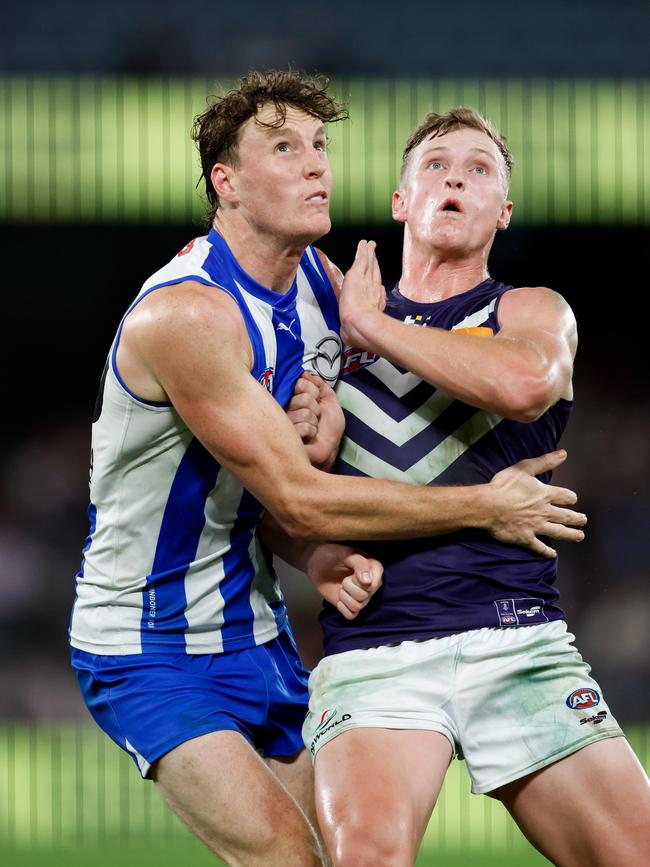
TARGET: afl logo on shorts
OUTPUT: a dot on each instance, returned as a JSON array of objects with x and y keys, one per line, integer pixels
[
  {"x": 326, "y": 360},
  {"x": 583, "y": 698}
]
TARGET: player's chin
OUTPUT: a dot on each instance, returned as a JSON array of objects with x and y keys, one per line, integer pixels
[
  {"x": 310, "y": 232},
  {"x": 319, "y": 224},
  {"x": 455, "y": 243}
]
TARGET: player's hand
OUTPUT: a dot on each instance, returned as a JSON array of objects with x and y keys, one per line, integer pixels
[
  {"x": 318, "y": 418},
  {"x": 344, "y": 577},
  {"x": 528, "y": 508},
  {"x": 361, "y": 293}
]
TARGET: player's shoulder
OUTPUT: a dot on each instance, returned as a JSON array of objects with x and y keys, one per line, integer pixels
[
  {"x": 333, "y": 272},
  {"x": 534, "y": 298},
  {"x": 538, "y": 308},
  {"x": 186, "y": 309}
]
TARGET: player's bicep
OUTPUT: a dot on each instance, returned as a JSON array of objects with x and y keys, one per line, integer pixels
[
  {"x": 244, "y": 428},
  {"x": 543, "y": 322},
  {"x": 541, "y": 316},
  {"x": 201, "y": 362}
]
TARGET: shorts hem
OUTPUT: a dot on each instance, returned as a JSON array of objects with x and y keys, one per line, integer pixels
[
  {"x": 393, "y": 726},
  {"x": 282, "y": 753},
  {"x": 136, "y": 649},
  {"x": 183, "y": 738},
  {"x": 544, "y": 763}
]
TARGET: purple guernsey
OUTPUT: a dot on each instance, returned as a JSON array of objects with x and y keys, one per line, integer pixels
[{"x": 400, "y": 427}]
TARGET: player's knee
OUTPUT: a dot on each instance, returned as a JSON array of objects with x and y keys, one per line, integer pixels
[
  {"x": 279, "y": 836},
  {"x": 374, "y": 844},
  {"x": 274, "y": 847}
]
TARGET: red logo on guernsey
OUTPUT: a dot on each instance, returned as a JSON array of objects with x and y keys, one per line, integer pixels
[
  {"x": 267, "y": 379},
  {"x": 187, "y": 247},
  {"x": 354, "y": 359}
]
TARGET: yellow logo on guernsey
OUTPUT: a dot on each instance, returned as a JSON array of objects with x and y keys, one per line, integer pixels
[{"x": 478, "y": 331}]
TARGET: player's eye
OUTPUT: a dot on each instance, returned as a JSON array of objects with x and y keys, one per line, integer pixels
[
  {"x": 435, "y": 164},
  {"x": 480, "y": 170},
  {"x": 283, "y": 147},
  {"x": 321, "y": 144}
]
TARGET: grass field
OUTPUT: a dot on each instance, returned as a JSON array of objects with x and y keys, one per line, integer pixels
[
  {"x": 192, "y": 855},
  {"x": 69, "y": 797}
]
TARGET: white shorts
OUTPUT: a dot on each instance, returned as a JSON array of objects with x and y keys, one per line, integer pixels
[{"x": 510, "y": 701}]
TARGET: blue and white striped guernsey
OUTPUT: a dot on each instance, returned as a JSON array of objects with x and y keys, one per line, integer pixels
[{"x": 172, "y": 561}]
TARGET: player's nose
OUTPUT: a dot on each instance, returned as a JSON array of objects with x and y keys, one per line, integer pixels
[
  {"x": 313, "y": 166},
  {"x": 453, "y": 181}
]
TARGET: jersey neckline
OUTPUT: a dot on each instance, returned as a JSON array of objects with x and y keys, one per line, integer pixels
[
  {"x": 269, "y": 296},
  {"x": 395, "y": 293}
]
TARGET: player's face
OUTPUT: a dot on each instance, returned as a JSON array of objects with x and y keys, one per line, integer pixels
[
  {"x": 454, "y": 194},
  {"x": 283, "y": 180}
]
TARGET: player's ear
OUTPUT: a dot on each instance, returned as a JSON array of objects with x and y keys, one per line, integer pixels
[
  {"x": 399, "y": 206},
  {"x": 504, "y": 217},
  {"x": 223, "y": 179}
]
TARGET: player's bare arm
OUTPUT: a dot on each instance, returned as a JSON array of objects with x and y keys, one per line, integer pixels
[
  {"x": 343, "y": 576},
  {"x": 191, "y": 343},
  {"x": 521, "y": 371}
]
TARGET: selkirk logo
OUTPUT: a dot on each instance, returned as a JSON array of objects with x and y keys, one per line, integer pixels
[{"x": 596, "y": 719}]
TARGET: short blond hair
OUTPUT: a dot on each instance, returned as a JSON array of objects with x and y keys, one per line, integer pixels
[{"x": 456, "y": 118}]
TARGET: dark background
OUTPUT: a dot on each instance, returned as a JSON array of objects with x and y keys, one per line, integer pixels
[{"x": 65, "y": 287}]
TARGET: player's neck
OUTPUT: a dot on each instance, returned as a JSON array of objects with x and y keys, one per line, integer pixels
[
  {"x": 269, "y": 260},
  {"x": 429, "y": 275}
]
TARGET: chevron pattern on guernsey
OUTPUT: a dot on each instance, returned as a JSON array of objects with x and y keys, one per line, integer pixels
[{"x": 399, "y": 435}]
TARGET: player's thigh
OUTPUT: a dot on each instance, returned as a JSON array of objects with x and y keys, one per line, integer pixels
[
  {"x": 375, "y": 791},
  {"x": 590, "y": 808},
  {"x": 297, "y": 776},
  {"x": 220, "y": 787}
]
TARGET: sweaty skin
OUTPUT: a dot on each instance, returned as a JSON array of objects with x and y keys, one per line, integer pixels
[
  {"x": 376, "y": 788},
  {"x": 188, "y": 344}
]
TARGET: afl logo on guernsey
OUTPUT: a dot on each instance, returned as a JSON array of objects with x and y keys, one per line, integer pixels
[
  {"x": 583, "y": 698},
  {"x": 354, "y": 359},
  {"x": 326, "y": 359},
  {"x": 267, "y": 379}
]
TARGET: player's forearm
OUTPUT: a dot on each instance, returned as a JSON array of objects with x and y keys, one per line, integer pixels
[
  {"x": 341, "y": 508},
  {"x": 294, "y": 551},
  {"x": 508, "y": 376}
]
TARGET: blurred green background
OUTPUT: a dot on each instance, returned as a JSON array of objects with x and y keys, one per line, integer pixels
[
  {"x": 70, "y": 796},
  {"x": 97, "y": 191},
  {"x": 112, "y": 149}
]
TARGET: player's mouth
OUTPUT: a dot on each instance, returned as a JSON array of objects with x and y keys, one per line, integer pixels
[
  {"x": 318, "y": 198},
  {"x": 451, "y": 206}
]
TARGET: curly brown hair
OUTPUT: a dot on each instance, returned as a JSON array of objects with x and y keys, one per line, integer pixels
[
  {"x": 461, "y": 116},
  {"x": 216, "y": 131}
]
